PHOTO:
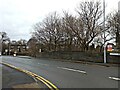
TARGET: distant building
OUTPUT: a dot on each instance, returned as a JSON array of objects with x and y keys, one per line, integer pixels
[{"x": 16, "y": 47}]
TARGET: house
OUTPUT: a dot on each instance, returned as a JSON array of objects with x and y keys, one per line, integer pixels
[{"x": 18, "y": 47}]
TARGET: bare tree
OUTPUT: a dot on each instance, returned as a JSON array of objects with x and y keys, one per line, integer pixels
[
  {"x": 49, "y": 31},
  {"x": 4, "y": 41},
  {"x": 114, "y": 25},
  {"x": 89, "y": 15},
  {"x": 32, "y": 46},
  {"x": 70, "y": 32},
  {"x": 68, "y": 27},
  {"x": 4, "y": 37}
]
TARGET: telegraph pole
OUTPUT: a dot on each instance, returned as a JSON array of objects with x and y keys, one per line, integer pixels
[{"x": 104, "y": 31}]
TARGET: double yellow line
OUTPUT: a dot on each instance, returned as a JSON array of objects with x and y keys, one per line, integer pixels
[{"x": 40, "y": 78}]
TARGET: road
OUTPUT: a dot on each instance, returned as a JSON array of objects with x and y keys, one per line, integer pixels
[{"x": 67, "y": 74}]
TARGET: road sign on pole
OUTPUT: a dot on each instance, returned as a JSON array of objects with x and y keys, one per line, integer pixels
[{"x": 109, "y": 48}]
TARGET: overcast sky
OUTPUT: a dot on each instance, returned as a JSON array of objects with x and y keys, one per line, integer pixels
[{"x": 18, "y": 16}]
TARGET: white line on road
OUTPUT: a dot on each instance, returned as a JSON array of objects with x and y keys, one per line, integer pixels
[
  {"x": 73, "y": 70},
  {"x": 43, "y": 64},
  {"x": 114, "y": 78}
]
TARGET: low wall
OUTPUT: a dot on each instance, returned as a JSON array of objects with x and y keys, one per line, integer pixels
[{"x": 79, "y": 56}]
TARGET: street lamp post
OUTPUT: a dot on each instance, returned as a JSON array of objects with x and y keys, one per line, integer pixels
[{"x": 104, "y": 30}]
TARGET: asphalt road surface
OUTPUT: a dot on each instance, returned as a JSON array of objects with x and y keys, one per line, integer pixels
[{"x": 67, "y": 74}]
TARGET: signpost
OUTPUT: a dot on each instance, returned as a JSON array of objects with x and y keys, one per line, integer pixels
[
  {"x": 115, "y": 54},
  {"x": 104, "y": 31}
]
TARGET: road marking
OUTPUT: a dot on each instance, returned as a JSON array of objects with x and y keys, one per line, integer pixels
[
  {"x": 73, "y": 70},
  {"x": 45, "y": 81},
  {"x": 43, "y": 64},
  {"x": 114, "y": 78}
]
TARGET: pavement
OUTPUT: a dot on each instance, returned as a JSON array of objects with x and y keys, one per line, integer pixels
[
  {"x": 68, "y": 74},
  {"x": 14, "y": 79}
]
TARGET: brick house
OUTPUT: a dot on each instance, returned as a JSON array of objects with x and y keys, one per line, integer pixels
[{"x": 16, "y": 47}]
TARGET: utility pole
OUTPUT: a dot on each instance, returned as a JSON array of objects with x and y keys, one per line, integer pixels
[{"x": 104, "y": 31}]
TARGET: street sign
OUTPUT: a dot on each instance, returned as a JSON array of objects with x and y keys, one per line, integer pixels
[
  {"x": 115, "y": 54},
  {"x": 109, "y": 48}
]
